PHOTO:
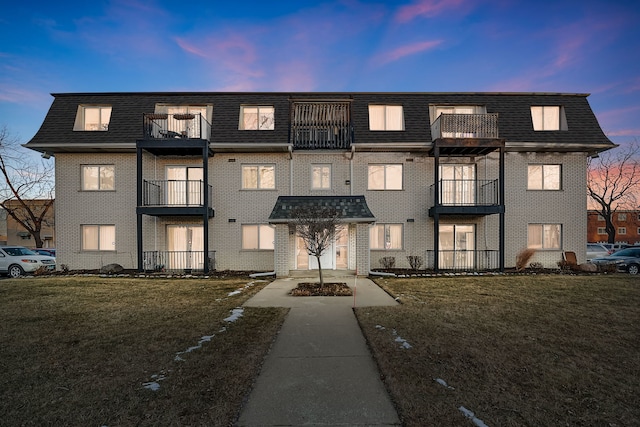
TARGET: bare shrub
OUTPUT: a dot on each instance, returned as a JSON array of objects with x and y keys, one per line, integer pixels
[
  {"x": 523, "y": 257},
  {"x": 415, "y": 261},
  {"x": 388, "y": 262}
]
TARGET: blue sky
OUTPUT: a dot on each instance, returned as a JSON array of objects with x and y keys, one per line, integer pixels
[{"x": 568, "y": 46}]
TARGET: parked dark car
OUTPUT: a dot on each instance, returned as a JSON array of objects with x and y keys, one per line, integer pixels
[
  {"x": 45, "y": 251},
  {"x": 625, "y": 260}
]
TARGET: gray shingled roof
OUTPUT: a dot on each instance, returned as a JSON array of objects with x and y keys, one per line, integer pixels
[
  {"x": 514, "y": 118},
  {"x": 350, "y": 208}
]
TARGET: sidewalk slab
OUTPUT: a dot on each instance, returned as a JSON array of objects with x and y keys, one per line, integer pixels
[{"x": 319, "y": 371}]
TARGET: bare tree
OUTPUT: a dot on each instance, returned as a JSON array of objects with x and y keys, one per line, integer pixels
[
  {"x": 318, "y": 228},
  {"x": 25, "y": 178},
  {"x": 613, "y": 183}
]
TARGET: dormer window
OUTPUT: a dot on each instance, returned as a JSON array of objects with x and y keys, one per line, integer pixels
[
  {"x": 93, "y": 118},
  {"x": 256, "y": 117},
  {"x": 548, "y": 117},
  {"x": 386, "y": 117}
]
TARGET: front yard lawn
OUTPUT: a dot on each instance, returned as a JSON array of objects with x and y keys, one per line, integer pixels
[
  {"x": 92, "y": 351},
  {"x": 510, "y": 350}
]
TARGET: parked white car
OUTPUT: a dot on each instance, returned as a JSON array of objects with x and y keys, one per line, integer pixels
[{"x": 18, "y": 260}]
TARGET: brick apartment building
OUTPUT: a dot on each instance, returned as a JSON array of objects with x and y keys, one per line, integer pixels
[
  {"x": 627, "y": 223},
  {"x": 197, "y": 181}
]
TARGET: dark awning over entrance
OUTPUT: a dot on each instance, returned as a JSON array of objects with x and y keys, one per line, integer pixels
[{"x": 350, "y": 208}]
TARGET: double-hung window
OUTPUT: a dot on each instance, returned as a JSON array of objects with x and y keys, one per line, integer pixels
[
  {"x": 320, "y": 177},
  {"x": 98, "y": 177},
  {"x": 622, "y": 230},
  {"x": 258, "y": 236},
  {"x": 386, "y": 117},
  {"x": 258, "y": 177},
  {"x": 385, "y": 177},
  {"x": 544, "y": 236},
  {"x": 385, "y": 236},
  {"x": 257, "y": 117},
  {"x": 602, "y": 230},
  {"x": 544, "y": 177},
  {"x": 93, "y": 118},
  {"x": 98, "y": 237}
]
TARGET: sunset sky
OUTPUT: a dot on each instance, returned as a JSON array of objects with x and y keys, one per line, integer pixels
[{"x": 569, "y": 46}]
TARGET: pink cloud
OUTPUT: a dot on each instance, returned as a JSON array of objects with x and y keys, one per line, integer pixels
[
  {"x": 426, "y": 9},
  {"x": 406, "y": 50},
  {"x": 232, "y": 53}
]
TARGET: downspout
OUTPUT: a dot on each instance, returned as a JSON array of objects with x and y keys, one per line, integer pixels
[
  {"x": 290, "y": 151},
  {"x": 353, "y": 152}
]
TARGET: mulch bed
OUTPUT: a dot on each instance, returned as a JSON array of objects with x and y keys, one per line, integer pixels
[{"x": 313, "y": 289}]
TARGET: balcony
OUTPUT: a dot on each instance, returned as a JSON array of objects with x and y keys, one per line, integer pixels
[
  {"x": 465, "y": 197},
  {"x": 175, "y": 197},
  {"x": 466, "y": 134},
  {"x": 321, "y": 125},
  {"x": 177, "y": 261},
  {"x": 176, "y": 126},
  {"x": 463, "y": 260}
]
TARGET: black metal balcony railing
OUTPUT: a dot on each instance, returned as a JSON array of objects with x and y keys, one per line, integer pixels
[
  {"x": 321, "y": 125},
  {"x": 463, "y": 260},
  {"x": 465, "y": 126},
  {"x": 465, "y": 192},
  {"x": 177, "y": 261},
  {"x": 175, "y": 193},
  {"x": 186, "y": 125}
]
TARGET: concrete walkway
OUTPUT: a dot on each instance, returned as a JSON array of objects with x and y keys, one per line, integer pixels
[{"x": 319, "y": 371}]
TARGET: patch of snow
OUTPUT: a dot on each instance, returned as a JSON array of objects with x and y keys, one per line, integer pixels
[
  {"x": 443, "y": 383},
  {"x": 234, "y": 293},
  {"x": 469, "y": 414},
  {"x": 236, "y": 313},
  {"x": 382, "y": 328},
  {"x": 403, "y": 343},
  {"x": 154, "y": 385}
]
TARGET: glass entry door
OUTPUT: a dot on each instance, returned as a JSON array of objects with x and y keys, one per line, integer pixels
[
  {"x": 185, "y": 246},
  {"x": 185, "y": 186},
  {"x": 458, "y": 185},
  {"x": 456, "y": 247}
]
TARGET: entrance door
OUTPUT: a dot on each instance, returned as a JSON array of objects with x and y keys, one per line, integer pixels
[
  {"x": 185, "y": 185},
  {"x": 185, "y": 246},
  {"x": 334, "y": 257},
  {"x": 456, "y": 247}
]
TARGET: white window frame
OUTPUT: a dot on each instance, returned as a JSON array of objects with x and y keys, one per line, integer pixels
[
  {"x": 602, "y": 230},
  {"x": 268, "y": 112},
  {"x": 385, "y": 115},
  {"x": 104, "y": 118},
  {"x": 622, "y": 216},
  {"x": 544, "y": 184},
  {"x": 622, "y": 231},
  {"x": 600, "y": 217},
  {"x": 101, "y": 182},
  {"x": 259, "y": 184},
  {"x": 548, "y": 118},
  {"x": 318, "y": 181},
  {"x": 105, "y": 242},
  {"x": 543, "y": 231},
  {"x": 262, "y": 232},
  {"x": 386, "y": 186},
  {"x": 388, "y": 239}
]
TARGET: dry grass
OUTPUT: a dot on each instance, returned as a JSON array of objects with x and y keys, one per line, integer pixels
[
  {"x": 76, "y": 351},
  {"x": 517, "y": 351}
]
